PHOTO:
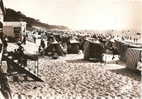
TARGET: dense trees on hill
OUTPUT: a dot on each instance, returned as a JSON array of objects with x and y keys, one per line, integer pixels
[{"x": 12, "y": 15}]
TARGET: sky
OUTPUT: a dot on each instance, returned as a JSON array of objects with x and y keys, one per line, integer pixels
[{"x": 83, "y": 14}]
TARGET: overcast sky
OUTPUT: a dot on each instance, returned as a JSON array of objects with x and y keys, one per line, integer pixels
[{"x": 81, "y": 14}]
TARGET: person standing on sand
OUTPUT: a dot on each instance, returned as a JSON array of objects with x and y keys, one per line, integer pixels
[
  {"x": 42, "y": 44},
  {"x": 5, "y": 44},
  {"x": 5, "y": 91},
  {"x": 34, "y": 38},
  {"x": 24, "y": 39}
]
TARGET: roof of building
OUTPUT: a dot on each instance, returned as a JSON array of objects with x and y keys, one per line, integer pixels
[{"x": 14, "y": 23}]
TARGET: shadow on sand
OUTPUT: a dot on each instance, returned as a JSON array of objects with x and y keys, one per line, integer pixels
[
  {"x": 136, "y": 75},
  {"x": 79, "y": 61}
]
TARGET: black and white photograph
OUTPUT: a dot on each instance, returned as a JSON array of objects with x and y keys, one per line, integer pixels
[{"x": 70, "y": 49}]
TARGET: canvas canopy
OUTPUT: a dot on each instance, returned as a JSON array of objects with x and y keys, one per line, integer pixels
[
  {"x": 133, "y": 56},
  {"x": 73, "y": 46},
  {"x": 123, "y": 48},
  {"x": 54, "y": 47},
  {"x": 93, "y": 50}
]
